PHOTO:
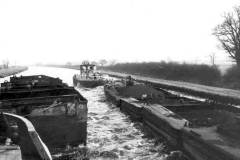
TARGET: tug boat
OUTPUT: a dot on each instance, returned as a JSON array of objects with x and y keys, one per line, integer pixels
[
  {"x": 58, "y": 112},
  {"x": 88, "y": 76},
  {"x": 201, "y": 129}
]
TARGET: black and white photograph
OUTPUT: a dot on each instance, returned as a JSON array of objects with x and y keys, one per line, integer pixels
[{"x": 120, "y": 80}]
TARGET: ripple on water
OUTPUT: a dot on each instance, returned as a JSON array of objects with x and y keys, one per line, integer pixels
[{"x": 112, "y": 135}]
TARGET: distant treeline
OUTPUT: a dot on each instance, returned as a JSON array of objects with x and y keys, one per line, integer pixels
[
  {"x": 203, "y": 74},
  {"x": 195, "y": 73}
]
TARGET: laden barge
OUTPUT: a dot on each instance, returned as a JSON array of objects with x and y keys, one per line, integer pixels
[
  {"x": 202, "y": 130},
  {"x": 88, "y": 77},
  {"x": 58, "y": 112}
]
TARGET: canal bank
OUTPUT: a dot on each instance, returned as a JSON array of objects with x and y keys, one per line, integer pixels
[{"x": 5, "y": 72}]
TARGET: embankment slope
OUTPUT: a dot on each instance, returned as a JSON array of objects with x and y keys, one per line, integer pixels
[{"x": 11, "y": 71}]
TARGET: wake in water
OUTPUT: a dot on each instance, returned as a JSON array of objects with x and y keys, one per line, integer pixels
[{"x": 112, "y": 135}]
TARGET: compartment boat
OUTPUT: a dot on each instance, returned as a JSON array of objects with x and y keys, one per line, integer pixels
[
  {"x": 58, "y": 112},
  {"x": 201, "y": 129}
]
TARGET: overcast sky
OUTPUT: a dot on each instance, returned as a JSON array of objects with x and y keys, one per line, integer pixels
[{"x": 57, "y": 31}]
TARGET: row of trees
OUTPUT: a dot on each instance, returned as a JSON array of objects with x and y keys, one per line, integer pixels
[
  {"x": 195, "y": 73},
  {"x": 101, "y": 62}
]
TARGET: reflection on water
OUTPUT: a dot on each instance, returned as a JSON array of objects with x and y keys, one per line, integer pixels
[{"x": 111, "y": 134}]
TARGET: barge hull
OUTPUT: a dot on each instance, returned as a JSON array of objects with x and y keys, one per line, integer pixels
[
  {"x": 163, "y": 121},
  {"x": 161, "y": 127},
  {"x": 31, "y": 145},
  {"x": 57, "y": 131},
  {"x": 59, "y": 120},
  {"x": 134, "y": 110},
  {"x": 111, "y": 95}
]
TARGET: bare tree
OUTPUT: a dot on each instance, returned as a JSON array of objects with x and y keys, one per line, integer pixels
[
  {"x": 102, "y": 62},
  {"x": 5, "y": 63},
  {"x": 228, "y": 33}
]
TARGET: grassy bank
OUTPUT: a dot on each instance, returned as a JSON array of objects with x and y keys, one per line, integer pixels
[
  {"x": 232, "y": 78},
  {"x": 202, "y": 74},
  {"x": 11, "y": 71}
]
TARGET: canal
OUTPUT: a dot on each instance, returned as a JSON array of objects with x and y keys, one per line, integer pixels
[{"x": 111, "y": 134}]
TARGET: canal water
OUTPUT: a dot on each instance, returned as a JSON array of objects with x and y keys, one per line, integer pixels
[{"x": 111, "y": 134}]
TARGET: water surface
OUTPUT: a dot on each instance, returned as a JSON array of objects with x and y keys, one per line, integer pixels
[{"x": 111, "y": 134}]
